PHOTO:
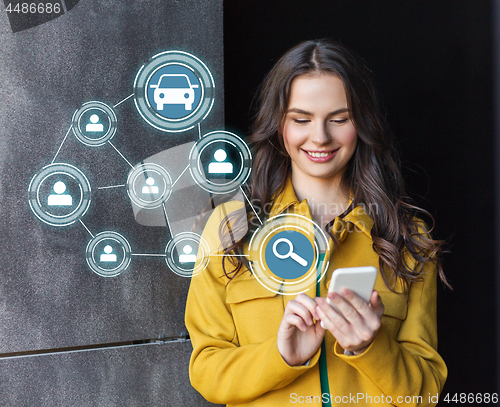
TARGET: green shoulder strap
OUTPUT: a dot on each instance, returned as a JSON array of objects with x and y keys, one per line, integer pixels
[{"x": 323, "y": 369}]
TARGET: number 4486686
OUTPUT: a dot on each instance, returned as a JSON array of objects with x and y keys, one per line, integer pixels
[
  {"x": 468, "y": 398},
  {"x": 33, "y": 8}
]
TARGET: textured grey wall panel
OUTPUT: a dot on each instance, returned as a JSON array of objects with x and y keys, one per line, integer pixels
[
  {"x": 145, "y": 376},
  {"x": 49, "y": 298}
]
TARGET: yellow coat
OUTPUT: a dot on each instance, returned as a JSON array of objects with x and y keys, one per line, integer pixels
[{"x": 233, "y": 328}]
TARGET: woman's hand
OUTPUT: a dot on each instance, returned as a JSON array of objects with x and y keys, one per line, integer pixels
[
  {"x": 298, "y": 336},
  {"x": 357, "y": 324}
]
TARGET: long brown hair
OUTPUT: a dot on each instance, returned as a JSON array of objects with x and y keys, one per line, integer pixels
[{"x": 372, "y": 177}]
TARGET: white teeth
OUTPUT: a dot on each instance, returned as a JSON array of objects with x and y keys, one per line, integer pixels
[{"x": 318, "y": 154}]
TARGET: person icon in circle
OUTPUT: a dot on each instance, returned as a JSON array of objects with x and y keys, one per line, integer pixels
[
  {"x": 60, "y": 198},
  {"x": 94, "y": 125},
  {"x": 150, "y": 187},
  {"x": 187, "y": 256},
  {"x": 220, "y": 167},
  {"x": 108, "y": 256}
]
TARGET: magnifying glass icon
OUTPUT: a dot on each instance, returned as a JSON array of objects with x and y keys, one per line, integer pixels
[{"x": 290, "y": 253}]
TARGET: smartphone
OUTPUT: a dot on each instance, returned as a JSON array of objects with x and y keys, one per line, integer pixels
[{"x": 360, "y": 280}]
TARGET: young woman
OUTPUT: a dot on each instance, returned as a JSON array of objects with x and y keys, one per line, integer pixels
[{"x": 321, "y": 149}]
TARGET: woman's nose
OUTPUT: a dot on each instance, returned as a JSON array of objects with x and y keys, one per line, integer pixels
[{"x": 320, "y": 134}]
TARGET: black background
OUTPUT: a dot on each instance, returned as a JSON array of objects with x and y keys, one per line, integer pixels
[{"x": 433, "y": 64}]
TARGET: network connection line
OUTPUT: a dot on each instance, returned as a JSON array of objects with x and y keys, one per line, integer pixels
[
  {"x": 113, "y": 186},
  {"x": 119, "y": 103},
  {"x": 253, "y": 209},
  {"x": 230, "y": 255},
  {"x": 86, "y": 228},
  {"x": 59, "y": 149},
  {"x": 166, "y": 216},
  {"x": 182, "y": 173},
  {"x": 148, "y": 254},
  {"x": 121, "y": 155}
]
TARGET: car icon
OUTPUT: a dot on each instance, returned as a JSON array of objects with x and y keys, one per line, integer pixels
[{"x": 174, "y": 89}]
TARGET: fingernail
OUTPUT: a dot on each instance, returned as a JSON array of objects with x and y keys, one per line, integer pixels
[
  {"x": 329, "y": 301},
  {"x": 323, "y": 325}
]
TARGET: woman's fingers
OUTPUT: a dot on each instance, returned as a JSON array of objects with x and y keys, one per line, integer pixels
[
  {"x": 350, "y": 305},
  {"x": 361, "y": 314},
  {"x": 307, "y": 302},
  {"x": 304, "y": 307},
  {"x": 328, "y": 316},
  {"x": 352, "y": 321},
  {"x": 376, "y": 303},
  {"x": 295, "y": 320},
  {"x": 339, "y": 327},
  {"x": 298, "y": 337}
]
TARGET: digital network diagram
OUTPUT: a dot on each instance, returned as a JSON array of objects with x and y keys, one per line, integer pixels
[{"x": 174, "y": 92}]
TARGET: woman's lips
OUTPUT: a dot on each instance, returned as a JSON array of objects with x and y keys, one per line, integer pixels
[{"x": 320, "y": 156}]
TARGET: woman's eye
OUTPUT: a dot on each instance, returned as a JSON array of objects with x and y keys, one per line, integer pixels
[
  {"x": 301, "y": 121},
  {"x": 340, "y": 121}
]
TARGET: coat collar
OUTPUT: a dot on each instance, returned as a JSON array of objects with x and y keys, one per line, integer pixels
[{"x": 287, "y": 201}]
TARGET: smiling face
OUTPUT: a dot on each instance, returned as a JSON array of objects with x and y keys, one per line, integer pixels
[{"x": 318, "y": 132}]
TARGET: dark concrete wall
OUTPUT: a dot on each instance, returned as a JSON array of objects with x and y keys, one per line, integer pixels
[{"x": 49, "y": 298}]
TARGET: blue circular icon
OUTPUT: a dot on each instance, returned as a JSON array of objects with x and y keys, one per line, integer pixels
[
  {"x": 174, "y": 91},
  {"x": 289, "y": 254}
]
